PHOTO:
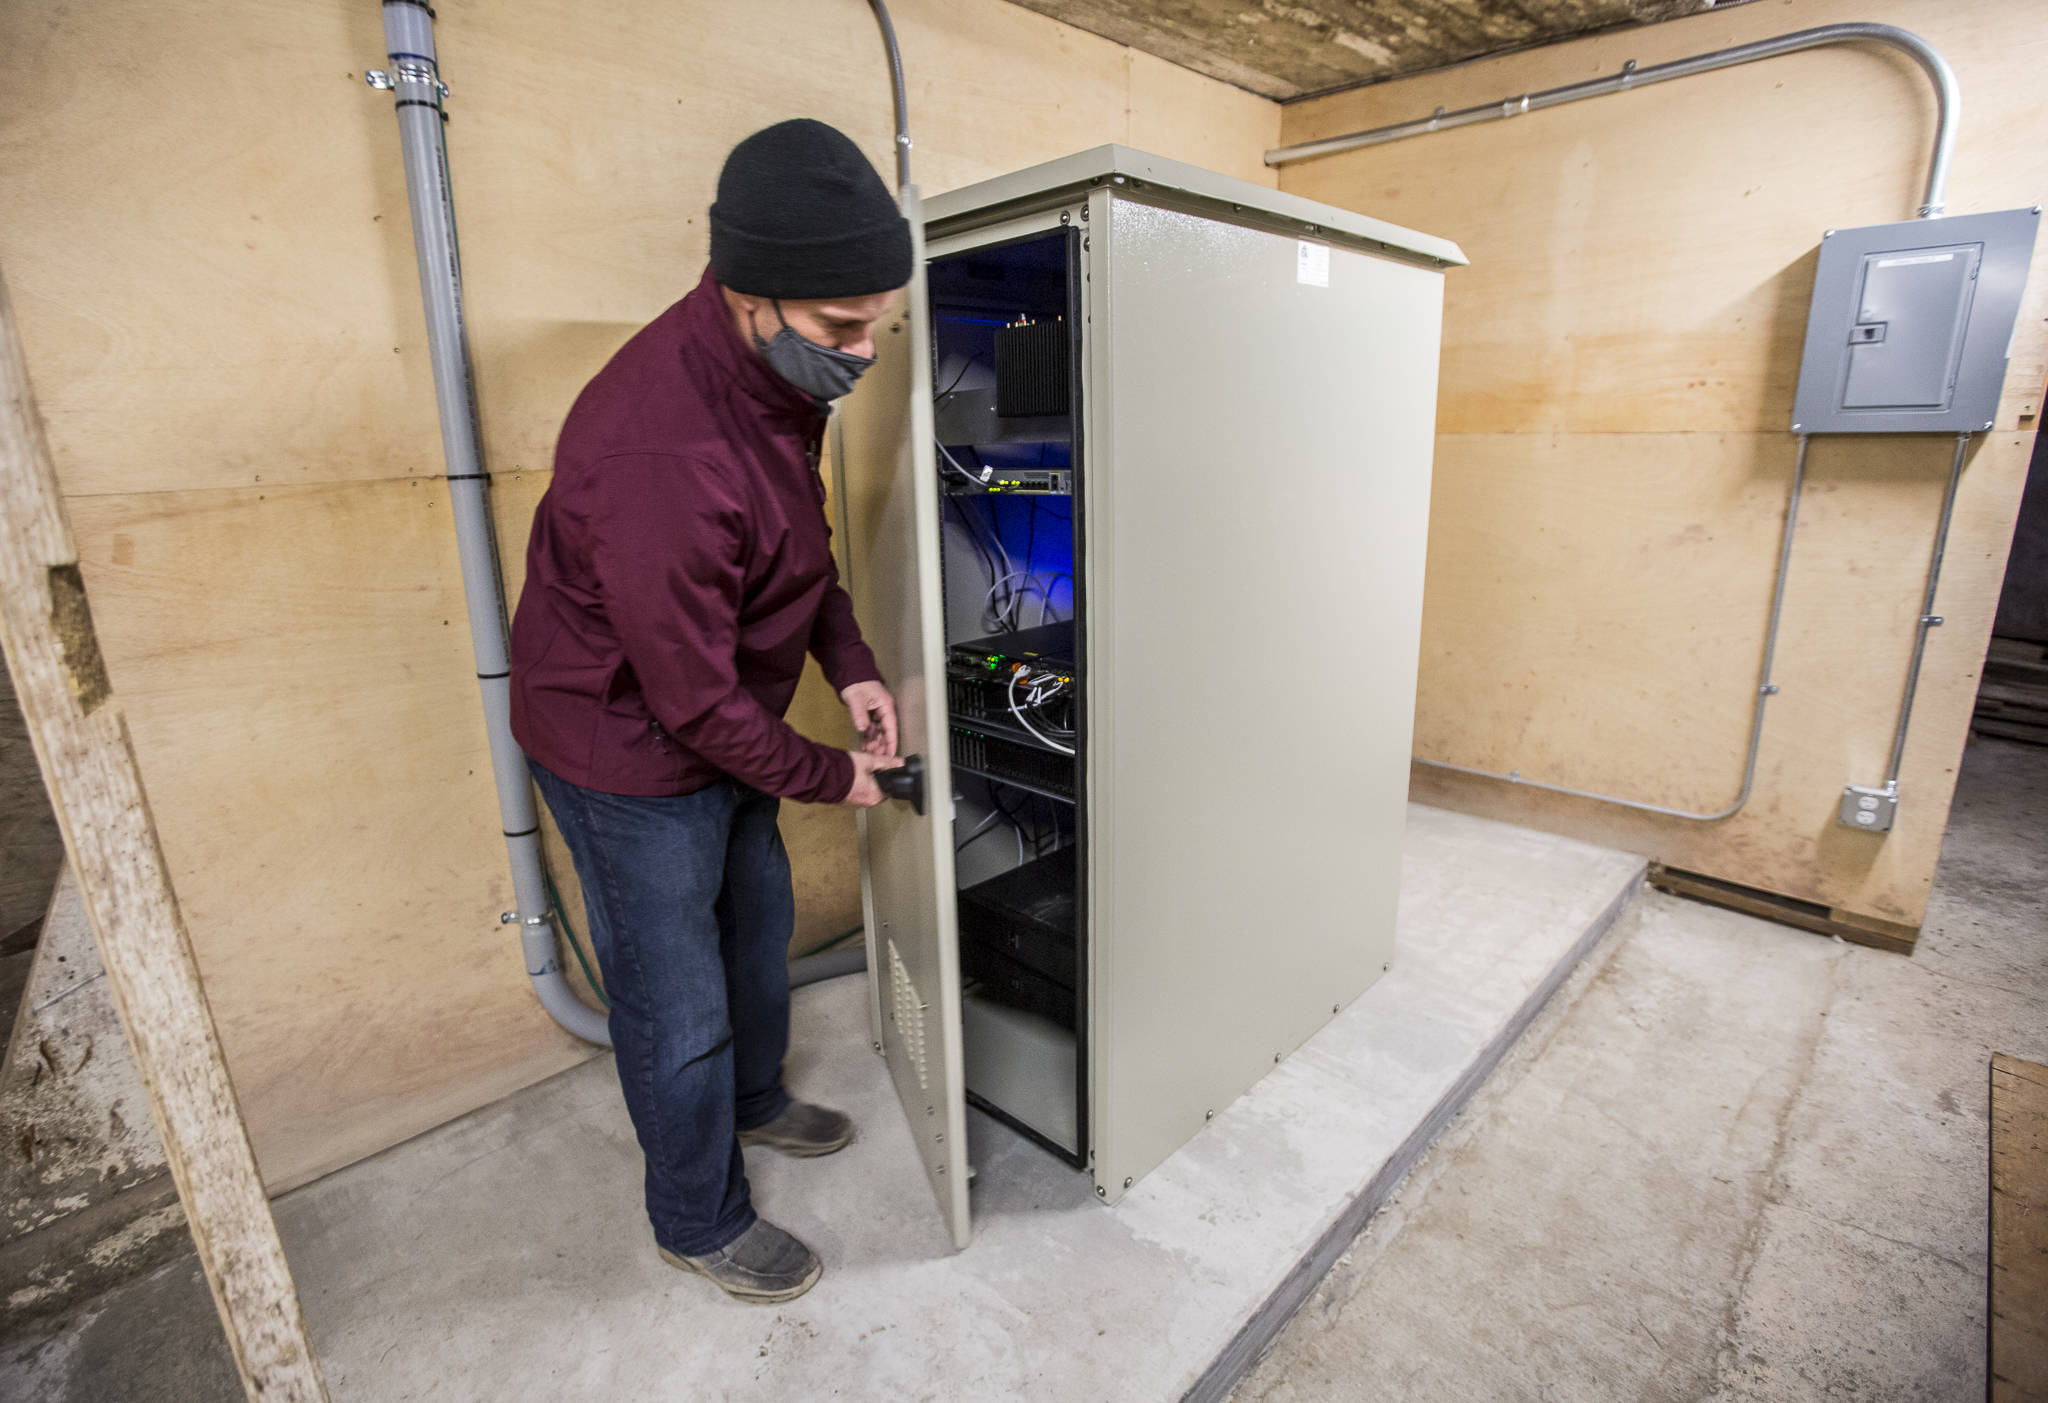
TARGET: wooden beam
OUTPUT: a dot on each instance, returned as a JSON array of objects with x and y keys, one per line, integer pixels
[
  {"x": 81, "y": 739},
  {"x": 1773, "y": 906}
]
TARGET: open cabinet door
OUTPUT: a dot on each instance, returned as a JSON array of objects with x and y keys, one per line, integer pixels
[{"x": 889, "y": 529}]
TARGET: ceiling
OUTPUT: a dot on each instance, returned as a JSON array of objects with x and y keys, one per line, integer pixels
[{"x": 1296, "y": 48}]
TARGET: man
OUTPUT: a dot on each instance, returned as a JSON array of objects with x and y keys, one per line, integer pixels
[{"x": 679, "y": 571}]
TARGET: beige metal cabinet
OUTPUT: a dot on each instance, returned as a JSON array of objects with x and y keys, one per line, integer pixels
[{"x": 1133, "y": 511}]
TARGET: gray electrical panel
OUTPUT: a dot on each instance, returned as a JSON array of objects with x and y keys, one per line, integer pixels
[{"x": 1912, "y": 324}]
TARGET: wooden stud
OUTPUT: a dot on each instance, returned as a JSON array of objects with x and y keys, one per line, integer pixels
[
  {"x": 1807, "y": 915},
  {"x": 81, "y": 739},
  {"x": 2018, "y": 1323}
]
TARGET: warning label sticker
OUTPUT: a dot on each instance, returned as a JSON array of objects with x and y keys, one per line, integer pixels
[{"x": 1312, "y": 264}]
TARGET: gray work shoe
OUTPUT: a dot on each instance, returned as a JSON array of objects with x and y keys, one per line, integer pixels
[
  {"x": 764, "y": 1263},
  {"x": 803, "y": 1129}
]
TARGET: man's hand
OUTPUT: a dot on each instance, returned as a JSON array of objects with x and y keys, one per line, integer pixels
[
  {"x": 874, "y": 716},
  {"x": 865, "y": 793}
]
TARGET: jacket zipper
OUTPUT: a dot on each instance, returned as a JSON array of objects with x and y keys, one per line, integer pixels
[{"x": 814, "y": 453}]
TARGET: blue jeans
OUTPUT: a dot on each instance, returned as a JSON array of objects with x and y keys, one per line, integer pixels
[{"x": 691, "y": 912}]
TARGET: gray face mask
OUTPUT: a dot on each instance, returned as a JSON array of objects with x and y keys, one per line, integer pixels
[{"x": 821, "y": 372}]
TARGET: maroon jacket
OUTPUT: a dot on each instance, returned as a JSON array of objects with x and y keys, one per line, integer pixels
[{"x": 679, "y": 570}]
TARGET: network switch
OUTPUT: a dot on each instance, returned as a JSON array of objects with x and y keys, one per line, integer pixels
[{"x": 1021, "y": 482}]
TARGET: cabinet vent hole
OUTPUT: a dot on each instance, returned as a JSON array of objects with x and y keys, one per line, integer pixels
[{"x": 908, "y": 1016}]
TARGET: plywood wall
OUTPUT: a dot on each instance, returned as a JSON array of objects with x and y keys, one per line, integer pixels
[
  {"x": 1613, "y": 457},
  {"x": 206, "y": 236}
]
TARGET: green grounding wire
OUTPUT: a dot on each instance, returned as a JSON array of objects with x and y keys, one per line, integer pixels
[{"x": 569, "y": 932}]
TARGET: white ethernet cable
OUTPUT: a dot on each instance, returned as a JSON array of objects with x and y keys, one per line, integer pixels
[{"x": 1038, "y": 698}]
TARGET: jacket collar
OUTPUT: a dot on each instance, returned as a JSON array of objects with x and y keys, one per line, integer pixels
[{"x": 710, "y": 341}]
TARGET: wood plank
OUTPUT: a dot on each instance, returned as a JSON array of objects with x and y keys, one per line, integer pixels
[
  {"x": 1665, "y": 622},
  {"x": 1753, "y": 901},
  {"x": 2018, "y": 1323},
  {"x": 2018, "y": 652},
  {"x": 2008, "y": 730},
  {"x": 2013, "y": 696},
  {"x": 81, "y": 739},
  {"x": 1619, "y": 363},
  {"x": 300, "y": 686},
  {"x": 212, "y": 296},
  {"x": 2020, "y": 673}
]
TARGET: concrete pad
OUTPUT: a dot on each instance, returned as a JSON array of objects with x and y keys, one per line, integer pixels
[{"x": 505, "y": 1256}]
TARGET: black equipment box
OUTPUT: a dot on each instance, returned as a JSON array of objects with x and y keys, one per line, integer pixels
[
  {"x": 1032, "y": 364},
  {"x": 1026, "y": 914},
  {"x": 1000, "y": 979}
]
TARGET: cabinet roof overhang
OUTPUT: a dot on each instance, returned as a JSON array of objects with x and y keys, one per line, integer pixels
[{"x": 1140, "y": 175}]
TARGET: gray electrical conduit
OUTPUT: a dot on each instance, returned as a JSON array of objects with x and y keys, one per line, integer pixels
[
  {"x": 896, "y": 94},
  {"x": 1946, "y": 96},
  {"x": 1948, "y": 103},
  {"x": 417, "y": 90},
  {"x": 414, "y": 82}
]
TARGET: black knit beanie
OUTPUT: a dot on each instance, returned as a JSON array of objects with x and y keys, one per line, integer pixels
[{"x": 801, "y": 213}]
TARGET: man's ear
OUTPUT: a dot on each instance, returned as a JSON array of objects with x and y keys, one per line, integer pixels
[{"x": 750, "y": 310}]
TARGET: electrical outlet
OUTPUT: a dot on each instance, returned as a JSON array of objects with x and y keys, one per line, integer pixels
[{"x": 1868, "y": 808}]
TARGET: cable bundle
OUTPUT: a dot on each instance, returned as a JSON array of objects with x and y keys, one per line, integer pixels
[{"x": 1042, "y": 689}]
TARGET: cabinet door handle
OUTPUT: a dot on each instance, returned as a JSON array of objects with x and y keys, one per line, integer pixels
[{"x": 905, "y": 782}]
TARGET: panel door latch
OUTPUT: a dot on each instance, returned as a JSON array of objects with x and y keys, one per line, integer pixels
[{"x": 905, "y": 782}]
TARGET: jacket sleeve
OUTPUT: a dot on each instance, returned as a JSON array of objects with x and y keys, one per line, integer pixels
[
  {"x": 671, "y": 565},
  {"x": 835, "y": 639}
]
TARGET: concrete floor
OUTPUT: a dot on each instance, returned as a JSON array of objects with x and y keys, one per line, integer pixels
[
  {"x": 504, "y": 1256},
  {"x": 1732, "y": 1161}
]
